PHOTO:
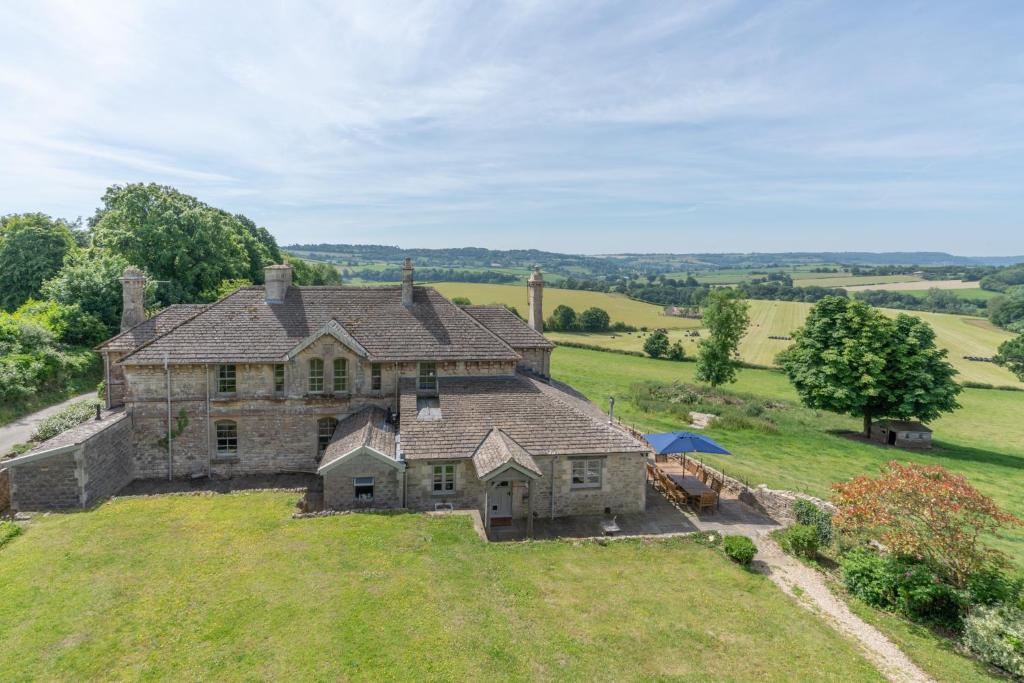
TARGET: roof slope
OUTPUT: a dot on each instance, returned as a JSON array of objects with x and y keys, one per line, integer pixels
[
  {"x": 244, "y": 328},
  {"x": 365, "y": 428},
  {"x": 500, "y": 449},
  {"x": 533, "y": 414},
  {"x": 509, "y": 327},
  {"x": 150, "y": 328}
]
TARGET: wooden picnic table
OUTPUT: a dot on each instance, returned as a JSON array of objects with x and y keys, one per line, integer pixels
[{"x": 692, "y": 485}]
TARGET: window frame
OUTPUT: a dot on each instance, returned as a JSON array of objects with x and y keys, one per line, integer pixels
[
  {"x": 279, "y": 378},
  {"x": 318, "y": 375},
  {"x": 227, "y": 372},
  {"x": 342, "y": 365},
  {"x": 592, "y": 475},
  {"x": 321, "y": 441},
  {"x": 360, "y": 482},
  {"x": 230, "y": 440},
  {"x": 426, "y": 370},
  {"x": 376, "y": 377},
  {"x": 443, "y": 479}
]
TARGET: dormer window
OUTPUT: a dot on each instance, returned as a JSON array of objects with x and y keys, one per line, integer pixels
[
  {"x": 427, "y": 376},
  {"x": 340, "y": 374},
  {"x": 316, "y": 376},
  {"x": 226, "y": 379}
]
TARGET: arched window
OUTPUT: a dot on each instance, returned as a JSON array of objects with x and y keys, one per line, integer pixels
[
  {"x": 316, "y": 375},
  {"x": 227, "y": 438},
  {"x": 324, "y": 431},
  {"x": 340, "y": 374}
]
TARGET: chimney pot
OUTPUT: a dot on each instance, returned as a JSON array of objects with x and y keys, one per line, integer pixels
[
  {"x": 133, "y": 288},
  {"x": 276, "y": 281},
  {"x": 407, "y": 282},
  {"x": 535, "y": 299}
]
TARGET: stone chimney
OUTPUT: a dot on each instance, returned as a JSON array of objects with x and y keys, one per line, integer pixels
[
  {"x": 133, "y": 289},
  {"x": 535, "y": 299},
  {"x": 276, "y": 281},
  {"x": 407, "y": 283}
]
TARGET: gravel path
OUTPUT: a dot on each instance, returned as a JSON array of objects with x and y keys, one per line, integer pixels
[
  {"x": 808, "y": 588},
  {"x": 21, "y": 429}
]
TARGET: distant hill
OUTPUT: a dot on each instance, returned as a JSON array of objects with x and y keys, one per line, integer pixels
[{"x": 608, "y": 264}]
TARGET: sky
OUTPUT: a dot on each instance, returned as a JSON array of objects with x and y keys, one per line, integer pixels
[{"x": 585, "y": 127}]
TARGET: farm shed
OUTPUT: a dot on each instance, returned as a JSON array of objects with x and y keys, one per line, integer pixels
[{"x": 901, "y": 434}]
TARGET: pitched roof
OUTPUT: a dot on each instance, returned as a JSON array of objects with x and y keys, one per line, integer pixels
[
  {"x": 904, "y": 426},
  {"x": 244, "y": 328},
  {"x": 540, "y": 418},
  {"x": 500, "y": 449},
  {"x": 509, "y": 327},
  {"x": 67, "y": 440},
  {"x": 365, "y": 428},
  {"x": 161, "y": 323}
]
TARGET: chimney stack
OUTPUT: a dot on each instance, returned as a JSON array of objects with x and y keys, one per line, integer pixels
[
  {"x": 535, "y": 299},
  {"x": 276, "y": 281},
  {"x": 133, "y": 288},
  {"x": 407, "y": 283}
]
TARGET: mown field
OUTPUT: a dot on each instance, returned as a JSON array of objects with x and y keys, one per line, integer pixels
[
  {"x": 984, "y": 440},
  {"x": 230, "y": 587},
  {"x": 961, "y": 335},
  {"x": 851, "y": 280}
]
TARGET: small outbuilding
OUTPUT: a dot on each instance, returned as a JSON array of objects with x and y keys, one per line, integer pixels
[{"x": 901, "y": 434}]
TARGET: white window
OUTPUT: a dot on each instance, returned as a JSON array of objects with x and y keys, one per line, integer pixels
[
  {"x": 227, "y": 439},
  {"x": 226, "y": 379},
  {"x": 325, "y": 427},
  {"x": 586, "y": 473},
  {"x": 340, "y": 374},
  {"x": 444, "y": 478},
  {"x": 363, "y": 488},
  {"x": 428, "y": 376},
  {"x": 316, "y": 375}
]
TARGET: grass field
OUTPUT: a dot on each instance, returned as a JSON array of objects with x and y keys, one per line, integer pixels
[
  {"x": 619, "y": 307},
  {"x": 230, "y": 587},
  {"x": 983, "y": 294},
  {"x": 852, "y": 280},
  {"x": 984, "y": 440}
]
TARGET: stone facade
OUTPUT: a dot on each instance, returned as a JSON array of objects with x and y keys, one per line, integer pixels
[
  {"x": 50, "y": 484},
  {"x": 901, "y": 435},
  {"x": 5, "y": 490},
  {"x": 339, "y": 484},
  {"x": 536, "y": 360}
]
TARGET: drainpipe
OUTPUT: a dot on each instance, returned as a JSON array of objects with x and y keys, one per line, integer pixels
[
  {"x": 553, "y": 486},
  {"x": 209, "y": 435},
  {"x": 170, "y": 458}
]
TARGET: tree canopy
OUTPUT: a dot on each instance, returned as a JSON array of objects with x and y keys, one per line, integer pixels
[
  {"x": 850, "y": 358},
  {"x": 178, "y": 239},
  {"x": 562, "y": 319},
  {"x": 594, "y": 320},
  {"x": 1011, "y": 356},
  {"x": 32, "y": 249},
  {"x": 726, "y": 319},
  {"x": 656, "y": 344}
]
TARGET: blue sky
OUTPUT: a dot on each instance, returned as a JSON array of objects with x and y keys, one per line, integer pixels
[{"x": 573, "y": 126}]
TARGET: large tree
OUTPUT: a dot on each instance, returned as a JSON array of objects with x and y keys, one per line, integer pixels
[
  {"x": 32, "y": 249},
  {"x": 850, "y": 358},
  {"x": 178, "y": 239},
  {"x": 1011, "y": 356},
  {"x": 594, "y": 320},
  {"x": 726, "y": 319}
]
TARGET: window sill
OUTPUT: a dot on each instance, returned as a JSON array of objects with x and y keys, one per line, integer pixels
[
  {"x": 441, "y": 494},
  {"x": 226, "y": 459},
  {"x": 585, "y": 487}
]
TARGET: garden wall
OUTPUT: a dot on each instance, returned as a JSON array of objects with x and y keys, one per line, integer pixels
[{"x": 5, "y": 491}]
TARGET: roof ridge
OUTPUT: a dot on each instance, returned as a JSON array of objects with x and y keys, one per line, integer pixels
[
  {"x": 205, "y": 309},
  {"x": 159, "y": 313}
]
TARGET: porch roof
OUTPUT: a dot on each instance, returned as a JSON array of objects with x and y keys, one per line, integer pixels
[{"x": 499, "y": 452}]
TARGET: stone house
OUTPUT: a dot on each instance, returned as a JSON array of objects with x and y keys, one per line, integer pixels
[
  {"x": 901, "y": 434},
  {"x": 394, "y": 396}
]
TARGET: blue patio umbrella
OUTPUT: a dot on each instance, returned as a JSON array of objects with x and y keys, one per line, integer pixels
[{"x": 683, "y": 442}]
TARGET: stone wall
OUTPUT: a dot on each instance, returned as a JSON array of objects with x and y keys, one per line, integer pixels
[
  {"x": 536, "y": 360},
  {"x": 469, "y": 490},
  {"x": 50, "y": 484},
  {"x": 339, "y": 488},
  {"x": 106, "y": 465},
  {"x": 5, "y": 491}
]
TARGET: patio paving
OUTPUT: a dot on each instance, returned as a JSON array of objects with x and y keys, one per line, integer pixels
[{"x": 661, "y": 518}]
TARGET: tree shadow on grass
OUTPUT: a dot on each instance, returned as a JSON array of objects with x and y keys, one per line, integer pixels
[{"x": 941, "y": 450}]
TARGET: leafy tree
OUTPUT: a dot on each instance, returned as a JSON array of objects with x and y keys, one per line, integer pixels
[
  {"x": 32, "y": 249},
  {"x": 925, "y": 512},
  {"x": 461, "y": 301},
  {"x": 594, "y": 320},
  {"x": 562, "y": 319},
  {"x": 311, "y": 273},
  {"x": 68, "y": 322},
  {"x": 676, "y": 351},
  {"x": 656, "y": 344},
  {"x": 849, "y": 358},
  {"x": 1011, "y": 356},
  {"x": 1008, "y": 311},
  {"x": 179, "y": 239},
  {"x": 89, "y": 279},
  {"x": 726, "y": 319}
]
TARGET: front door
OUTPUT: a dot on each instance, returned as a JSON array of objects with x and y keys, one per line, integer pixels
[{"x": 501, "y": 500}]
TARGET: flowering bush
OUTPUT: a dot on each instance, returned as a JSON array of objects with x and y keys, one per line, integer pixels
[
  {"x": 924, "y": 512},
  {"x": 996, "y": 636}
]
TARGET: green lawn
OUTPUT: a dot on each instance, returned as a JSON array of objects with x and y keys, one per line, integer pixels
[
  {"x": 231, "y": 588},
  {"x": 984, "y": 440}
]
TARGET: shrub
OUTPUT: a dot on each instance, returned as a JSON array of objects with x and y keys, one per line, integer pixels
[
  {"x": 656, "y": 344},
  {"x": 996, "y": 636},
  {"x": 992, "y": 587},
  {"x": 800, "y": 539},
  {"x": 810, "y": 514},
  {"x": 676, "y": 351},
  {"x": 740, "y": 548},
  {"x": 75, "y": 414},
  {"x": 8, "y": 530},
  {"x": 866, "y": 576}
]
